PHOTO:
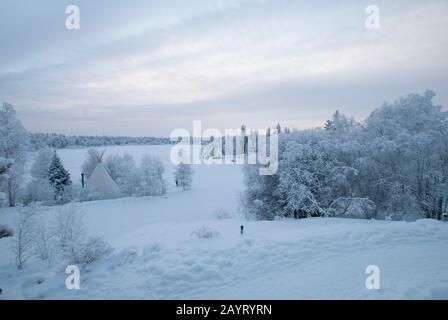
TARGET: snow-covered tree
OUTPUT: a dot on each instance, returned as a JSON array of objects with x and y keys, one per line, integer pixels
[
  {"x": 23, "y": 241},
  {"x": 394, "y": 164},
  {"x": 124, "y": 172},
  {"x": 183, "y": 176},
  {"x": 119, "y": 167},
  {"x": 133, "y": 184},
  {"x": 152, "y": 176},
  {"x": 261, "y": 199},
  {"x": 68, "y": 229},
  {"x": 340, "y": 123},
  {"x": 351, "y": 207},
  {"x": 59, "y": 180},
  {"x": 41, "y": 164},
  {"x": 38, "y": 188},
  {"x": 13, "y": 145},
  {"x": 278, "y": 127}
]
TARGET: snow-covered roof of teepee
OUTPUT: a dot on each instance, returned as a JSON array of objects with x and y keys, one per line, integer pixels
[{"x": 101, "y": 182}]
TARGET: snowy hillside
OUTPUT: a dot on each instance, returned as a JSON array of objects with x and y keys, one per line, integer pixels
[{"x": 175, "y": 247}]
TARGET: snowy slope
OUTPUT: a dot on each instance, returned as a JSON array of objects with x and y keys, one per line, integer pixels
[{"x": 157, "y": 255}]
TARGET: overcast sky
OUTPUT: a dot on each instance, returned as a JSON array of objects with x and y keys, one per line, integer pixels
[{"x": 148, "y": 67}]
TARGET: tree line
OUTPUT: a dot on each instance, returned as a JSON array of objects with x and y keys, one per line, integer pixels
[
  {"x": 392, "y": 165},
  {"x": 61, "y": 141}
]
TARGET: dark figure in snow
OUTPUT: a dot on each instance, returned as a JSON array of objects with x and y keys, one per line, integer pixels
[
  {"x": 177, "y": 183},
  {"x": 242, "y": 229}
]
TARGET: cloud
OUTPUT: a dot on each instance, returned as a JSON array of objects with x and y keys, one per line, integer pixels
[{"x": 164, "y": 63}]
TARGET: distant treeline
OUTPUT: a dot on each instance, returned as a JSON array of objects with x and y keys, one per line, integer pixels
[{"x": 60, "y": 141}]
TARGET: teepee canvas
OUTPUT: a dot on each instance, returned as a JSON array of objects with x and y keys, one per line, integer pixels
[{"x": 101, "y": 183}]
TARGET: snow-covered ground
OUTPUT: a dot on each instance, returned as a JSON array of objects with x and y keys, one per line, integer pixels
[{"x": 157, "y": 256}]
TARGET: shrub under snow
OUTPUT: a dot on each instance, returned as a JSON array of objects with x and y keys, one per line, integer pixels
[
  {"x": 352, "y": 208},
  {"x": 205, "y": 233},
  {"x": 90, "y": 251},
  {"x": 222, "y": 214},
  {"x": 70, "y": 242}
]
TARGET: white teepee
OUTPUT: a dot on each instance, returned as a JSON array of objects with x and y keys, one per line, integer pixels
[{"x": 100, "y": 181}]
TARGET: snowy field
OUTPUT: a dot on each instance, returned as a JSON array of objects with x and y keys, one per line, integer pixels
[{"x": 157, "y": 256}]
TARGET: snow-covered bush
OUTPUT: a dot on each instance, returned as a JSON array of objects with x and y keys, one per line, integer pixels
[
  {"x": 69, "y": 240},
  {"x": 5, "y": 231},
  {"x": 352, "y": 208},
  {"x": 205, "y": 233},
  {"x": 90, "y": 251},
  {"x": 44, "y": 242},
  {"x": 68, "y": 229},
  {"x": 222, "y": 214}
]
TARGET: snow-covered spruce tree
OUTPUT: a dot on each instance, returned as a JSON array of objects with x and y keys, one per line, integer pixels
[
  {"x": 340, "y": 123},
  {"x": 59, "y": 180},
  {"x": 183, "y": 176},
  {"x": 13, "y": 145}
]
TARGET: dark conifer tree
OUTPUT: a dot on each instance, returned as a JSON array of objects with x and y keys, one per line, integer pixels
[{"x": 59, "y": 179}]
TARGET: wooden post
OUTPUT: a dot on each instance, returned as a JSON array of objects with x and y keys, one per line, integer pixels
[
  {"x": 82, "y": 180},
  {"x": 439, "y": 214}
]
